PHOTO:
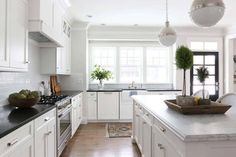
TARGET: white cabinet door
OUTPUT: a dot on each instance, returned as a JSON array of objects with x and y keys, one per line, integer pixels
[
  {"x": 40, "y": 141},
  {"x": 46, "y": 12},
  {"x": 136, "y": 127},
  {"x": 74, "y": 116},
  {"x": 4, "y": 55},
  {"x": 45, "y": 135},
  {"x": 51, "y": 139},
  {"x": 18, "y": 33},
  {"x": 160, "y": 145},
  {"x": 147, "y": 139},
  {"x": 92, "y": 105},
  {"x": 79, "y": 110},
  {"x": 108, "y": 105},
  {"x": 126, "y": 106},
  {"x": 68, "y": 55}
]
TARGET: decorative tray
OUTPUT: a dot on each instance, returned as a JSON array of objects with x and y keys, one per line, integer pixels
[{"x": 213, "y": 108}]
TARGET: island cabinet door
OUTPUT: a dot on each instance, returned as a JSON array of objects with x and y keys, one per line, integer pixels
[
  {"x": 161, "y": 146},
  {"x": 136, "y": 126},
  {"x": 147, "y": 139}
]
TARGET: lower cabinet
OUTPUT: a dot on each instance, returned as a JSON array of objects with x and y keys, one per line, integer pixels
[
  {"x": 150, "y": 137},
  {"x": 76, "y": 116},
  {"x": 108, "y": 105},
  {"x": 91, "y": 105},
  {"x": 160, "y": 145},
  {"x": 45, "y": 135},
  {"x": 18, "y": 143},
  {"x": 146, "y": 138}
]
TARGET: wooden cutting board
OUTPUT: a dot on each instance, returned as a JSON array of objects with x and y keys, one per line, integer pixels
[{"x": 57, "y": 87}]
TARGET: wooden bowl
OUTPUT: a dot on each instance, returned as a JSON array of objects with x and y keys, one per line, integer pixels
[{"x": 23, "y": 103}]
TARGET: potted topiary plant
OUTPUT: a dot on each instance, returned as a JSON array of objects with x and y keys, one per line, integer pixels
[
  {"x": 202, "y": 74},
  {"x": 184, "y": 60},
  {"x": 101, "y": 74}
]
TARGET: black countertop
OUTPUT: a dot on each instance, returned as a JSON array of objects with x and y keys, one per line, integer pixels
[
  {"x": 125, "y": 89},
  {"x": 12, "y": 118},
  {"x": 71, "y": 93},
  {"x": 104, "y": 90}
]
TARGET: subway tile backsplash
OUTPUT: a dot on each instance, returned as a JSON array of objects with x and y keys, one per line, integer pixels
[{"x": 14, "y": 81}]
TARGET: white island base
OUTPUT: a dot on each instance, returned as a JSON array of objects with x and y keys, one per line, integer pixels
[{"x": 162, "y": 132}]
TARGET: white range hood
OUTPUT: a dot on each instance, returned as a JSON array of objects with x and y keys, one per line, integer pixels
[{"x": 45, "y": 22}]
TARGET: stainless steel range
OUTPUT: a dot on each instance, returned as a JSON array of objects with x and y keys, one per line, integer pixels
[{"x": 63, "y": 118}]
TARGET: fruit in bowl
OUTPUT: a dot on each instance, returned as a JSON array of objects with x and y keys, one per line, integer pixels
[{"x": 24, "y": 99}]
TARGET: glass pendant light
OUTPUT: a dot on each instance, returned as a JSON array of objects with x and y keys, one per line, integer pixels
[
  {"x": 167, "y": 35},
  {"x": 207, "y": 13}
]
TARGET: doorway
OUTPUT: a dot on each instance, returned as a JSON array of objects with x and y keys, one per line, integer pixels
[{"x": 211, "y": 61}]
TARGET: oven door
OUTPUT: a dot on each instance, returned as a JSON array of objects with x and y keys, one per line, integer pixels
[{"x": 64, "y": 126}]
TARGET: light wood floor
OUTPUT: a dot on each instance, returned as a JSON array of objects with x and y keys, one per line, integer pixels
[{"x": 90, "y": 141}]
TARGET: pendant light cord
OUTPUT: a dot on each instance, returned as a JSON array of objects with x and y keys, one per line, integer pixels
[{"x": 166, "y": 10}]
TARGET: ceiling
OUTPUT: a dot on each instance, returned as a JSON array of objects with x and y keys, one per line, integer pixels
[{"x": 141, "y": 12}]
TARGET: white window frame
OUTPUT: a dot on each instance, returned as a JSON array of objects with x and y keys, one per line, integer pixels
[{"x": 119, "y": 44}]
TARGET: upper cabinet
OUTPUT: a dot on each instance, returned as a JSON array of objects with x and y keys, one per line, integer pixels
[
  {"x": 14, "y": 35},
  {"x": 58, "y": 60},
  {"x": 4, "y": 56},
  {"x": 45, "y": 18}
]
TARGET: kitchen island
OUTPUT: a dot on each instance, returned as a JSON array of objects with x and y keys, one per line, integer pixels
[{"x": 160, "y": 131}]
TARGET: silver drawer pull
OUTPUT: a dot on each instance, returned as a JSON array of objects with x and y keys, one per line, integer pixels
[
  {"x": 46, "y": 119},
  {"x": 12, "y": 143},
  {"x": 48, "y": 133},
  {"x": 147, "y": 114},
  {"x": 161, "y": 146},
  {"x": 162, "y": 129},
  {"x": 144, "y": 122}
]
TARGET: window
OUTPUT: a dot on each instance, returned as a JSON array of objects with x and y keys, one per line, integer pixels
[
  {"x": 106, "y": 57},
  {"x": 204, "y": 46},
  {"x": 158, "y": 69},
  {"x": 131, "y": 61},
  {"x": 139, "y": 62}
]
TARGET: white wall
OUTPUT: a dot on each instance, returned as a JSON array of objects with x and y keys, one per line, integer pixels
[
  {"x": 229, "y": 49},
  {"x": 13, "y": 81}
]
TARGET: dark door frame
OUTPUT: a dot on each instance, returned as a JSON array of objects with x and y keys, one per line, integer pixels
[{"x": 216, "y": 54}]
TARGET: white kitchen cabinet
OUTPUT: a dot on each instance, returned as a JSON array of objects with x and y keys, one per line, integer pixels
[
  {"x": 14, "y": 39},
  {"x": 160, "y": 145},
  {"x": 4, "y": 55},
  {"x": 91, "y": 105},
  {"x": 146, "y": 137},
  {"x": 57, "y": 60},
  {"x": 76, "y": 116},
  {"x": 108, "y": 105},
  {"x": 126, "y": 106},
  {"x": 45, "y": 22},
  {"x": 18, "y": 143},
  {"x": 136, "y": 125},
  {"x": 45, "y": 135},
  {"x": 18, "y": 33}
]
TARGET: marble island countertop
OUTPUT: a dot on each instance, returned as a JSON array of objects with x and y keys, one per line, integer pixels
[{"x": 191, "y": 127}]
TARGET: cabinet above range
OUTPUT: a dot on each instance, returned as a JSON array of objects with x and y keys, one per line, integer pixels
[
  {"x": 46, "y": 22},
  {"x": 57, "y": 60}
]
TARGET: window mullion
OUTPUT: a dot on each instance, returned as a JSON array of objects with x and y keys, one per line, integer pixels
[
  {"x": 117, "y": 64},
  {"x": 144, "y": 70}
]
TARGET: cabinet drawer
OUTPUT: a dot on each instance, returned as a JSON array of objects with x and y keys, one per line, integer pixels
[
  {"x": 168, "y": 135},
  {"x": 45, "y": 118},
  {"x": 16, "y": 138},
  {"x": 91, "y": 94}
]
